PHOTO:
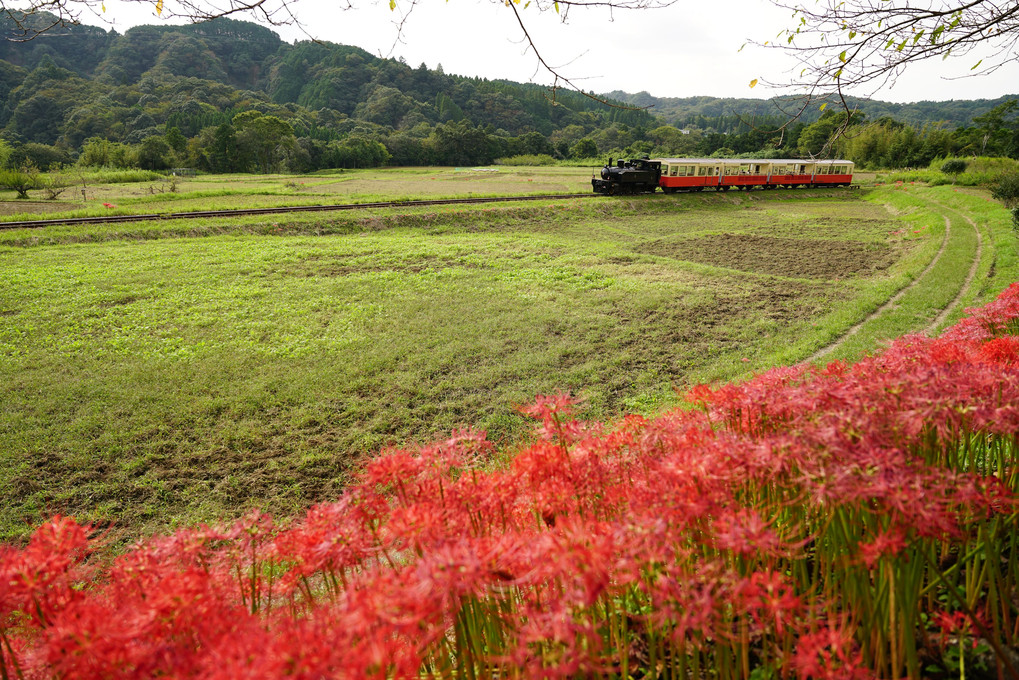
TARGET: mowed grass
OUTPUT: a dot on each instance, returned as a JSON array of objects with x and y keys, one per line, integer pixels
[{"x": 153, "y": 375}]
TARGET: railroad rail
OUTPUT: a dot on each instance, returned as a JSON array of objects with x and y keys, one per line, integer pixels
[{"x": 109, "y": 219}]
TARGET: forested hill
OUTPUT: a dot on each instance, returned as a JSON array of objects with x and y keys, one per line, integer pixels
[
  {"x": 696, "y": 111},
  {"x": 76, "y": 82},
  {"x": 228, "y": 96}
]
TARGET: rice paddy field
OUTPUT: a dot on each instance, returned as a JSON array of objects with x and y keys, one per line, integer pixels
[
  {"x": 159, "y": 374},
  {"x": 141, "y": 192}
]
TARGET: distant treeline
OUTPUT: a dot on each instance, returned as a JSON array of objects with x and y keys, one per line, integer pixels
[{"x": 229, "y": 96}]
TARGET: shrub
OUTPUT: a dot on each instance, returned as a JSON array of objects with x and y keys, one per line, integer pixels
[
  {"x": 20, "y": 179},
  {"x": 54, "y": 184},
  {"x": 954, "y": 167},
  {"x": 527, "y": 159},
  {"x": 1006, "y": 189}
]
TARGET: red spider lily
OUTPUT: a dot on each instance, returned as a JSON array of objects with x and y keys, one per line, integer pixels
[
  {"x": 745, "y": 533},
  {"x": 771, "y": 522},
  {"x": 886, "y": 543},
  {"x": 957, "y": 623},
  {"x": 771, "y": 599},
  {"x": 829, "y": 652},
  {"x": 40, "y": 580}
]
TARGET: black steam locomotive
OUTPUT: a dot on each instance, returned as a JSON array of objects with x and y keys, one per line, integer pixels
[{"x": 628, "y": 177}]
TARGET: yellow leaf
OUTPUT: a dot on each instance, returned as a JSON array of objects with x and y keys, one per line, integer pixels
[
  {"x": 823, "y": 106},
  {"x": 557, "y": 8},
  {"x": 159, "y": 7},
  {"x": 753, "y": 82},
  {"x": 392, "y": 5},
  {"x": 104, "y": 8}
]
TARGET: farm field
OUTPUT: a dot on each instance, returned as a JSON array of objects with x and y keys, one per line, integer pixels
[
  {"x": 216, "y": 192},
  {"x": 161, "y": 374}
]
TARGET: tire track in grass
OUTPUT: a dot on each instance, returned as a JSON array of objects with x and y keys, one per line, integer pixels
[
  {"x": 974, "y": 267},
  {"x": 889, "y": 304}
]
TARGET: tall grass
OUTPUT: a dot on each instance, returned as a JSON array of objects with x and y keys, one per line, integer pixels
[
  {"x": 980, "y": 171},
  {"x": 855, "y": 521},
  {"x": 117, "y": 176}
]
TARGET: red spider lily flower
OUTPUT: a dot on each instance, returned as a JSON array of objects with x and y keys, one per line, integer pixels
[
  {"x": 886, "y": 543},
  {"x": 744, "y": 532},
  {"x": 109, "y": 205},
  {"x": 829, "y": 652},
  {"x": 959, "y": 624},
  {"x": 40, "y": 580},
  {"x": 771, "y": 600},
  {"x": 556, "y": 415},
  {"x": 1002, "y": 351}
]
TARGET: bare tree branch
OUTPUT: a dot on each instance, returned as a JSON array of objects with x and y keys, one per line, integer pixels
[{"x": 867, "y": 44}]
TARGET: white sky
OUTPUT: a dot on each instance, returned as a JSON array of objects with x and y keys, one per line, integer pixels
[{"x": 688, "y": 49}]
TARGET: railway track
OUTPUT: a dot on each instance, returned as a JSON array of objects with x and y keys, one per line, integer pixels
[{"x": 109, "y": 219}]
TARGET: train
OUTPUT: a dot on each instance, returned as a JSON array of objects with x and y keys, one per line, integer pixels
[{"x": 646, "y": 175}]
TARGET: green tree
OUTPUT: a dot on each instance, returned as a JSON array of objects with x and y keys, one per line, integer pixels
[
  {"x": 533, "y": 143},
  {"x": 461, "y": 143},
  {"x": 355, "y": 151},
  {"x": 177, "y": 141},
  {"x": 816, "y": 138},
  {"x": 584, "y": 148},
  {"x": 5, "y": 152},
  {"x": 995, "y": 127},
  {"x": 154, "y": 154},
  {"x": 385, "y": 106},
  {"x": 20, "y": 179},
  {"x": 266, "y": 140},
  {"x": 97, "y": 152}
]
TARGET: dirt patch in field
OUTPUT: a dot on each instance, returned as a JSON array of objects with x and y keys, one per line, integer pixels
[
  {"x": 19, "y": 207},
  {"x": 715, "y": 323},
  {"x": 795, "y": 258}
]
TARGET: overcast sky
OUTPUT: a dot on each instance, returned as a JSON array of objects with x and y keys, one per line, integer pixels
[{"x": 688, "y": 49}]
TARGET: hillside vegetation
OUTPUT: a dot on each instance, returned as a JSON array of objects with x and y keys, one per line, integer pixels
[{"x": 230, "y": 96}]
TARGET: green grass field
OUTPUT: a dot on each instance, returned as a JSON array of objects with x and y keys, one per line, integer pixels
[
  {"x": 214, "y": 192},
  {"x": 162, "y": 373}
]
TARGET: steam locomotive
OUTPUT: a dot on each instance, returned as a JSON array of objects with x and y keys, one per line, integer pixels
[
  {"x": 644, "y": 175},
  {"x": 637, "y": 176}
]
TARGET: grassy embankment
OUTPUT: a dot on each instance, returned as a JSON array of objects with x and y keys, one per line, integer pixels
[{"x": 153, "y": 378}]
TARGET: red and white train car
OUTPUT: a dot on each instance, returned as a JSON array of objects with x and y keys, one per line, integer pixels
[{"x": 697, "y": 174}]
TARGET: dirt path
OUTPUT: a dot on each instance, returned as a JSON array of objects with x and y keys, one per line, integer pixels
[
  {"x": 943, "y": 316},
  {"x": 892, "y": 301}
]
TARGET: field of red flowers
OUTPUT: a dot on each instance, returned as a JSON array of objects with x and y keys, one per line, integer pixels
[{"x": 854, "y": 521}]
